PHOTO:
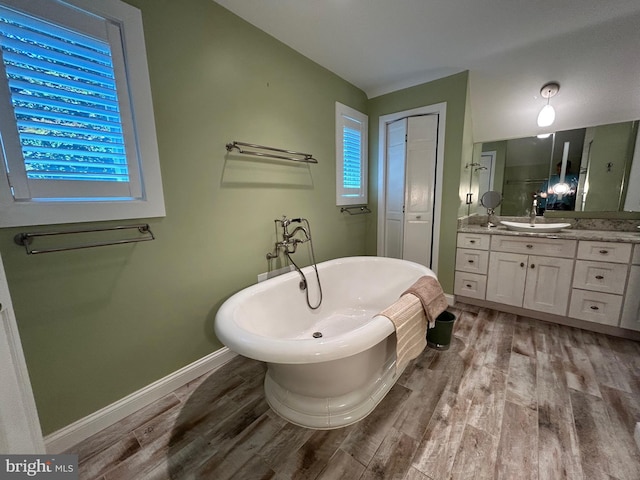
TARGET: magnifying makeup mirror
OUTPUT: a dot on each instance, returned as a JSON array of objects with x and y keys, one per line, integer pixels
[{"x": 491, "y": 200}]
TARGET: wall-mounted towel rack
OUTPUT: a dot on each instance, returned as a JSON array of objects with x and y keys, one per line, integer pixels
[
  {"x": 358, "y": 210},
  {"x": 25, "y": 239},
  {"x": 262, "y": 151}
]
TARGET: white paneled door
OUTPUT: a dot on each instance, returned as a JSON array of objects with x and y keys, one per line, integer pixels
[
  {"x": 410, "y": 186},
  {"x": 395, "y": 170}
]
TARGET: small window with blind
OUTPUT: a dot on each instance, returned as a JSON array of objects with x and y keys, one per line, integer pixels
[
  {"x": 76, "y": 120},
  {"x": 351, "y": 156}
]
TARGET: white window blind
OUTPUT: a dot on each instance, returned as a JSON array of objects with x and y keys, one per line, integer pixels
[
  {"x": 69, "y": 125},
  {"x": 351, "y": 156},
  {"x": 68, "y": 88}
]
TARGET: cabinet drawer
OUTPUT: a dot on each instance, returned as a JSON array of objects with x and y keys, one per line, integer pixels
[
  {"x": 600, "y": 276},
  {"x": 474, "y": 261},
  {"x": 474, "y": 240},
  {"x": 604, "y": 251},
  {"x": 470, "y": 285},
  {"x": 550, "y": 247},
  {"x": 595, "y": 307}
]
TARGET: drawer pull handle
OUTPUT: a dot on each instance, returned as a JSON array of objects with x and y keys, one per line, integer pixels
[
  {"x": 599, "y": 277},
  {"x": 529, "y": 246},
  {"x": 533, "y": 265},
  {"x": 522, "y": 264},
  {"x": 468, "y": 286},
  {"x": 604, "y": 252},
  {"x": 593, "y": 307},
  {"x": 472, "y": 241},
  {"x": 470, "y": 261}
]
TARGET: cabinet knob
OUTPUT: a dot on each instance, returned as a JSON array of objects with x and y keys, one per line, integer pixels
[
  {"x": 472, "y": 241},
  {"x": 593, "y": 307},
  {"x": 522, "y": 264},
  {"x": 468, "y": 286},
  {"x": 470, "y": 261},
  {"x": 533, "y": 265},
  {"x": 599, "y": 277},
  {"x": 529, "y": 246},
  {"x": 604, "y": 252}
]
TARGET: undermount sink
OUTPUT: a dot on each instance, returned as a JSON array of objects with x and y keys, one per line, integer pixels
[{"x": 537, "y": 227}]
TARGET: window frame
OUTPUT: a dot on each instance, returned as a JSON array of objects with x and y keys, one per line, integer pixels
[
  {"x": 345, "y": 116},
  {"x": 148, "y": 199}
]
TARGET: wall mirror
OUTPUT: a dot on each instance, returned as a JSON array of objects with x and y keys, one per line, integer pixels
[{"x": 591, "y": 170}]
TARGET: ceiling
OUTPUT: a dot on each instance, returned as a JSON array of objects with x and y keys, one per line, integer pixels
[{"x": 510, "y": 47}]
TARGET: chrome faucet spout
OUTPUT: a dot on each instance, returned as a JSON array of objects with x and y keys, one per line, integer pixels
[{"x": 534, "y": 209}]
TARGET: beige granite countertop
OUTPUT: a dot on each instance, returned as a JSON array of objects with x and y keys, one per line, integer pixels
[{"x": 569, "y": 234}]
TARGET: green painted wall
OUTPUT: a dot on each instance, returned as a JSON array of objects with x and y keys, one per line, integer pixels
[
  {"x": 452, "y": 90},
  {"x": 99, "y": 324}
]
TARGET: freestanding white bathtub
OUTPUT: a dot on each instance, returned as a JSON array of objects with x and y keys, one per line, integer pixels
[{"x": 336, "y": 379}]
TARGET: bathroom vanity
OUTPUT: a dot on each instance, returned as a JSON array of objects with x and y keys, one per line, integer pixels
[{"x": 585, "y": 278}]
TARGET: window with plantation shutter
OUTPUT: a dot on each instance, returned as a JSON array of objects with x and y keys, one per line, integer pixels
[
  {"x": 351, "y": 156},
  {"x": 76, "y": 121}
]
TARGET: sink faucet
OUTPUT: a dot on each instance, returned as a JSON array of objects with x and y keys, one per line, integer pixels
[{"x": 534, "y": 209}]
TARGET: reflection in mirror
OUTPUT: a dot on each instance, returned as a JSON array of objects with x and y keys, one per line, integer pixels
[{"x": 589, "y": 169}]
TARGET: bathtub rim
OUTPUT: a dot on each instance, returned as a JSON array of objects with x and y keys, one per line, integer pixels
[{"x": 301, "y": 351}]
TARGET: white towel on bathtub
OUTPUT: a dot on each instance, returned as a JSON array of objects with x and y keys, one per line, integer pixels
[{"x": 409, "y": 318}]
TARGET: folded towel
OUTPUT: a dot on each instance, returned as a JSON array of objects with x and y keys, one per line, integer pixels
[
  {"x": 408, "y": 317},
  {"x": 429, "y": 291}
]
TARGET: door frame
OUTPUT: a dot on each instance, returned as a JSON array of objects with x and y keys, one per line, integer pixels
[
  {"x": 20, "y": 431},
  {"x": 441, "y": 110}
]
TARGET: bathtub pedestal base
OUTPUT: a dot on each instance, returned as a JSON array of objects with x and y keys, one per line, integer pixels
[{"x": 309, "y": 408}]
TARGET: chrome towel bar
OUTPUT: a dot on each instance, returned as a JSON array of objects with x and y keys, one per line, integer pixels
[
  {"x": 25, "y": 239},
  {"x": 292, "y": 155},
  {"x": 358, "y": 210}
]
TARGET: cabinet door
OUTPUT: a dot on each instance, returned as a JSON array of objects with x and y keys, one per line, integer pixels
[
  {"x": 631, "y": 309},
  {"x": 506, "y": 278},
  {"x": 548, "y": 284}
]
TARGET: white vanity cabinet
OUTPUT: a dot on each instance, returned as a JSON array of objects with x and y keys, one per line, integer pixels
[
  {"x": 599, "y": 281},
  {"x": 530, "y": 281},
  {"x": 631, "y": 309},
  {"x": 568, "y": 280},
  {"x": 472, "y": 259}
]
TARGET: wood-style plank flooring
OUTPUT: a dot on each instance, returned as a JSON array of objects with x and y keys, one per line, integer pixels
[{"x": 513, "y": 398}]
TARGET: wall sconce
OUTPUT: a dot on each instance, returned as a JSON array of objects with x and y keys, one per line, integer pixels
[{"x": 547, "y": 115}]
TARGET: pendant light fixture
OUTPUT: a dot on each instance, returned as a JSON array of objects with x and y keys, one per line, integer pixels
[{"x": 547, "y": 115}]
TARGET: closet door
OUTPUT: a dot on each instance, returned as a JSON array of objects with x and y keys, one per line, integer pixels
[
  {"x": 422, "y": 135},
  {"x": 394, "y": 215}
]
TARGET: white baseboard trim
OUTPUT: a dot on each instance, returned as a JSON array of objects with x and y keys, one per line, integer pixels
[
  {"x": 450, "y": 299},
  {"x": 82, "y": 429}
]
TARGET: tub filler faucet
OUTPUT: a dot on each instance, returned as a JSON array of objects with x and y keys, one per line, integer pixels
[
  {"x": 289, "y": 243},
  {"x": 288, "y": 246}
]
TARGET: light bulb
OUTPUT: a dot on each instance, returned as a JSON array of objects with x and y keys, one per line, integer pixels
[
  {"x": 546, "y": 116},
  {"x": 561, "y": 188}
]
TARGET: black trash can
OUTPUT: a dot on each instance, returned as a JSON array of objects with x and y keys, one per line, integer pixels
[{"x": 439, "y": 337}]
